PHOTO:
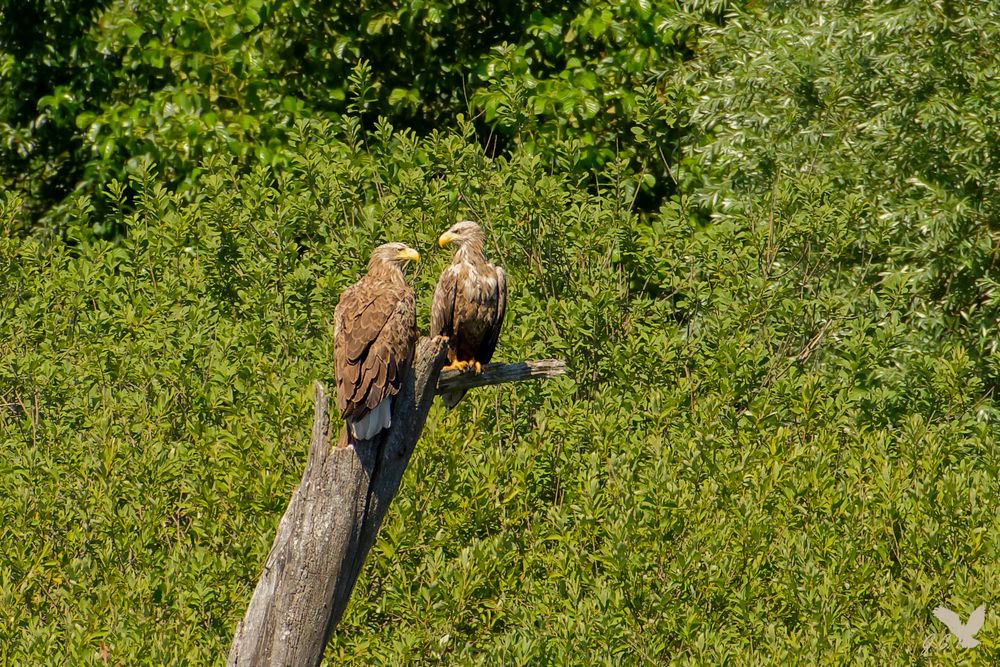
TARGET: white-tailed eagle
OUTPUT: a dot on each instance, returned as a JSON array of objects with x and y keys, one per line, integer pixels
[
  {"x": 469, "y": 303},
  {"x": 375, "y": 330}
]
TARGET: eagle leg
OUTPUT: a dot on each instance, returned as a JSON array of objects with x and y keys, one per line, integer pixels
[{"x": 457, "y": 365}]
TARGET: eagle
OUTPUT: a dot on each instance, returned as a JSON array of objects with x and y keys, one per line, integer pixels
[
  {"x": 374, "y": 332},
  {"x": 469, "y": 303}
]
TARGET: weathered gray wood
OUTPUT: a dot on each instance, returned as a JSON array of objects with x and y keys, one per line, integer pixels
[
  {"x": 330, "y": 525},
  {"x": 501, "y": 373},
  {"x": 335, "y": 513}
]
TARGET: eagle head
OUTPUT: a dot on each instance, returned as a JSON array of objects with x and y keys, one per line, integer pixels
[
  {"x": 461, "y": 233},
  {"x": 393, "y": 254}
]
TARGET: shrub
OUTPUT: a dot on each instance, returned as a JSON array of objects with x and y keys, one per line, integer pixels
[
  {"x": 752, "y": 455},
  {"x": 862, "y": 105}
]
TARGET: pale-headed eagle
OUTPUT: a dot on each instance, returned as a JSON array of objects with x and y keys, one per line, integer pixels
[
  {"x": 469, "y": 303},
  {"x": 374, "y": 331}
]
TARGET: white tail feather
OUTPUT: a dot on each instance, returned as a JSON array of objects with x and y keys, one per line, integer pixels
[{"x": 374, "y": 422}]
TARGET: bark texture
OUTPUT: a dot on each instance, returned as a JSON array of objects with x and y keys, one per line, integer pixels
[
  {"x": 335, "y": 513},
  {"x": 501, "y": 373}
]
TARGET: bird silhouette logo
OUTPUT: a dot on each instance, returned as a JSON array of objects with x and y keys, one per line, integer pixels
[{"x": 966, "y": 633}]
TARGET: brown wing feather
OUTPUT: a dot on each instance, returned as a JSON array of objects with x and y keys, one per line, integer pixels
[
  {"x": 367, "y": 312},
  {"x": 489, "y": 343},
  {"x": 374, "y": 336},
  {"x": 443, "y": 303}
]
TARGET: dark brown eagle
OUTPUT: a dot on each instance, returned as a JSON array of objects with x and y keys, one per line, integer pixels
[
  {"x": 469, "y": 303},
  {"x": 374, "y": 331}
]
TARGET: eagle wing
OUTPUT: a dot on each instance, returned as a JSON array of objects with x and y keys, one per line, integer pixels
[
  {"x": 443, "y": 304},
  {"x": 489, "y": 343},
  {"x": 374, "y": 335}
]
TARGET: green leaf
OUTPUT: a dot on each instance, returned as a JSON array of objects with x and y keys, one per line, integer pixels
[{"x": 134, "y": 33}]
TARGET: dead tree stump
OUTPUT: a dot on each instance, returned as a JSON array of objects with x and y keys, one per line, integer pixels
[{"x": 335, "y": 513}]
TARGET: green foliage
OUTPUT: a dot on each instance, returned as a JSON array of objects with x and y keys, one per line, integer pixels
[
  {"x": 42, "y": 45},
  {"x": 752, "y": 455},
  {"x": 589, "y": 83},
  {"x": 776, "y": 444},
  {"x": 176, "y": 82},
  {"x": 894, "y": 107}
]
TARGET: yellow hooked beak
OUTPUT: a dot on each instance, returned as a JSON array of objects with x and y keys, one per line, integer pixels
[
  {"x": 410, "y": 254},
  {"x": 446, "y": 238}
]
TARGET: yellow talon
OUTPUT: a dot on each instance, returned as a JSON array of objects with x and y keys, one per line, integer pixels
[
  {"x": 456, "y": 365},
  {"x": 479, "y": 367}
]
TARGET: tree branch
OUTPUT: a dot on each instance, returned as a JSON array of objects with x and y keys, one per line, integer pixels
[
  {"x": 501, "y": 373},
  {"x": 335, "y": 512}
]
